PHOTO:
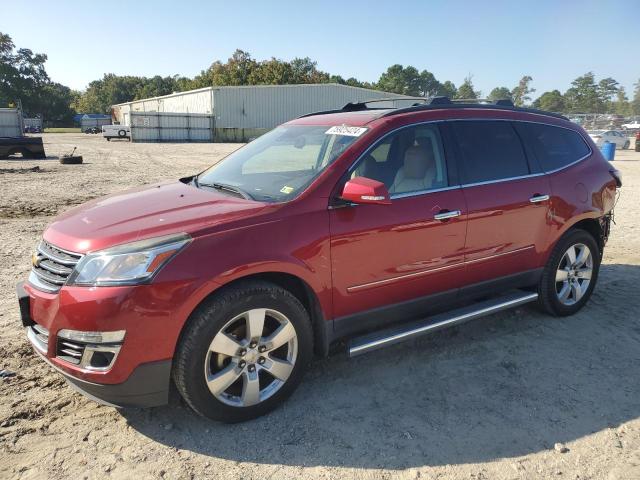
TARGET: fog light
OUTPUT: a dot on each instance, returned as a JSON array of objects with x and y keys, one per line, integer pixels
[
  {"x": 92, "y": 337},
  {"x": 95, "y": 351}
]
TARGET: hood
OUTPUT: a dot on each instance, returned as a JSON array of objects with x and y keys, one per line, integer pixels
[{"x": 146, "y": 212}]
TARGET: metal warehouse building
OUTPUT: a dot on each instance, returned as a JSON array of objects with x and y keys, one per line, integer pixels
[{"x": 231, "y": 114}]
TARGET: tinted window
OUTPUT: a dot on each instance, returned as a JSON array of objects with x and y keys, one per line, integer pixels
[
  {"x": 491, "y": 150},
  {"x": 410, "y": 160},
  {"x": 554, "y": 147}
]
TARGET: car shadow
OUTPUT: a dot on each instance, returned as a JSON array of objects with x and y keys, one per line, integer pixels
[{"x": 510, "y": 385}]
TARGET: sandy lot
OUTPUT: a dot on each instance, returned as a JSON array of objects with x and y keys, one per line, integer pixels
[{"x": 488, "y": 400}]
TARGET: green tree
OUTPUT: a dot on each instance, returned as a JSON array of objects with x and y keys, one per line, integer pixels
[
  {"x": 466, "y": 91},
  {"x": 607, "y": 90},
  {"x": 158, "y": 86},
  {"x": 23, "y": 79},
  {"x": 500, "y": 93},
  {"x": 621, "y": 105},
  {"x": 583, "y": 96},
  {"x": 22, "y": 74},
  {"x": 635, "y": 103},
  {"x": 394, "y": 80},
  {"x": 520, "y": 93},
  {"x": 409, "y": 81},
  {"x": 236, "y": 71},
  {"x": 305, "y": 70},
  {"x": 552, "y": 101},
  {"x": 447, "y": 89}
]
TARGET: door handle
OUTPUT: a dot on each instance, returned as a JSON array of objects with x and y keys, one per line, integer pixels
[
  {"x": 446, "y": 215},
  {"x": 539, "y": 198}
]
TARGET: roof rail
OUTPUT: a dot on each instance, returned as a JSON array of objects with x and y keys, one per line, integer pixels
[{"x": 434, "y": 103}]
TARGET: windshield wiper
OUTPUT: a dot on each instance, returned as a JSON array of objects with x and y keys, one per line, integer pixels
[{"x": 227, "y": 188}]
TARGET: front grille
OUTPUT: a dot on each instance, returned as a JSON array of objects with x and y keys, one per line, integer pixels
[
  {"x": 39, "y": 336},
  {"x": 51, "y": 267}
]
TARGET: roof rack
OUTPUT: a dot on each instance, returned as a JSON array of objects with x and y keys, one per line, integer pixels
[{"x": 434, "y": 103}]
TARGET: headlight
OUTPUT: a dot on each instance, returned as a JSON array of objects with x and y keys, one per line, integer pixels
[{"x": 127, "y": 264}]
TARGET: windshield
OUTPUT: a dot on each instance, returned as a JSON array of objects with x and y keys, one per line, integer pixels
[{"x": 280, "y": 164}]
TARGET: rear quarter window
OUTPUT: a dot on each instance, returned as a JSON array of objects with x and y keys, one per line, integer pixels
[{"x": 554, "y": 147}]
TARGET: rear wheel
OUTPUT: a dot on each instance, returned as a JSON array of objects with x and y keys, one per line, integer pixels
[
  {"x": 243, "y": 352},
  {"x": 570, "y": 275}
]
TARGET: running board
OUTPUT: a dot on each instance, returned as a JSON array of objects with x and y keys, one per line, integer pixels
[{"x": 383, "y": 338}]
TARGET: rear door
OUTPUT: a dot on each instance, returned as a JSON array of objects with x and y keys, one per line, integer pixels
[{"x": 507, "y": 199}]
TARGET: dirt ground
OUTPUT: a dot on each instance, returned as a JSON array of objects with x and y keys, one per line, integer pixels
[{"x": 518, "y": 395}]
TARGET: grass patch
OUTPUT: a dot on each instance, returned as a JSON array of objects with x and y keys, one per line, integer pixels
[{"x": 62, "y": 130}]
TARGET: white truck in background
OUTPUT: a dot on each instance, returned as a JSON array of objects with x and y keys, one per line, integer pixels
[{"x": 116, "y": 131}]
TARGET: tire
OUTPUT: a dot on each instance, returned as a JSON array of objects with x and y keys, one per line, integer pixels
[
  {"x": 122, "y": 133},
  {"x": 224, "y": 317},
  {"x": 626, "y": 145},
  {"x": 23, "y": 152},
  {"x": 553, "y": 289},
  {"x": 74, "y": 160}
]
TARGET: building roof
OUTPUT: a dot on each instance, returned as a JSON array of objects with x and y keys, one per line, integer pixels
[
  {"x": 79, "y": 116},
  {"x": 239, "y": 87}
]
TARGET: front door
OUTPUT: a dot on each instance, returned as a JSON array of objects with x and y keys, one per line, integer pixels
[{"x": 398, "y": 254}]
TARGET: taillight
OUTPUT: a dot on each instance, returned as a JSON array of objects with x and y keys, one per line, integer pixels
[
  {"x": 617, "y": 175},
  {"x": 638, "y": 135}
]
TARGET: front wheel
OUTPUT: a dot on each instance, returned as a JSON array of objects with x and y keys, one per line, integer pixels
[
  {"x": 570, "y": 275},
  {"x": 243, "y": 352}
]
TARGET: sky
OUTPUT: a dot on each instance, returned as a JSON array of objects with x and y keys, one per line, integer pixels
[{"x": 497, "y": 42}]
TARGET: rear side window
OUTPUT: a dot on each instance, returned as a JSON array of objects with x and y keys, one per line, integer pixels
[
  {"x": 555, "y": 147},
  {"x": 491, "y": 150}
]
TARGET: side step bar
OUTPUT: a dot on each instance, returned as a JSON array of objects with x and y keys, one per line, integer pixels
[{"x": 383, "y": 338}]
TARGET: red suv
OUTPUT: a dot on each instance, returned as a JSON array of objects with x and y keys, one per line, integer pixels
[{"x": 374, "y": 224}]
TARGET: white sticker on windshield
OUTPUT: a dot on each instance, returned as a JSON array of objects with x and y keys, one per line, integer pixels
[{"x": 346, "y": 130}]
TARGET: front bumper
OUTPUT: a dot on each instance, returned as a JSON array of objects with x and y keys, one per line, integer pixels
[{"x": 141, "y": 375}]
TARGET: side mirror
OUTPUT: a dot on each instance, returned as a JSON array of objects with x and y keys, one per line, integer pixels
[{"x": 363, "y": 190}]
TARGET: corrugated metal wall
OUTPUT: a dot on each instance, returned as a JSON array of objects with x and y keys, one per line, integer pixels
[
  {"x": 268, "y": 106},
  {"x": 171, "y": 127},
  {"x": 194, "y": 101},
  {"x": 241, "y": 113},
  {"x": 89, "y": 122},
  {"x": 11, "y": 123}
]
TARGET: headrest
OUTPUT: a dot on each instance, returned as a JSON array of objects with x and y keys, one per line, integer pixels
[{"x": 417, "y": 160}]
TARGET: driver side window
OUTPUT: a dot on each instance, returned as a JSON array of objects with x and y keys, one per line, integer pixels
[{"x": 410, "y": 160}]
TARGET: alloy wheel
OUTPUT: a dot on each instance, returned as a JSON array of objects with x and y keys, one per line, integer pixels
[
  {"x": 573, "y": 275},
  {"x": 251, "y": 357}
]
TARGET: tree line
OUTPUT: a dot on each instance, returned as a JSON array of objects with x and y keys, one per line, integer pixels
[{"x": 23, "y": 77}]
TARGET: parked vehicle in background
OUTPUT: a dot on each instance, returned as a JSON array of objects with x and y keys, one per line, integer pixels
[
  {"x": 638, "y": 141},
  {"x": 93, "y": 130},
  {"x": 26, "y": 147},
  {"x": 329, "y": 226},
  {"x": 32, "y": 125},
  {"x": 633, "y": 126},
  {"x": 116, "y": 131},
  {"x": 612, "y": 136}
]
